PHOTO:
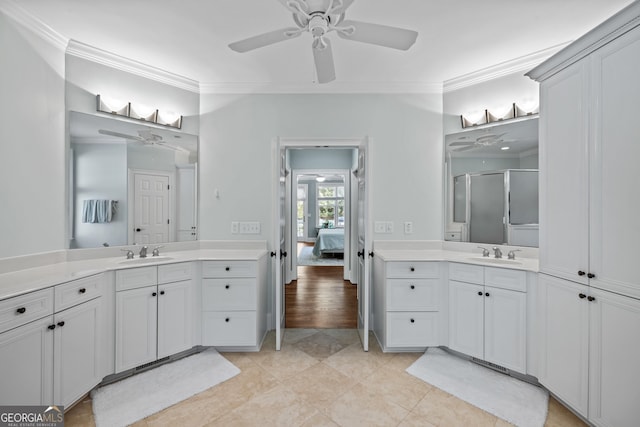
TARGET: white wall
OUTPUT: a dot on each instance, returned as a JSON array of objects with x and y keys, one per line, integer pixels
[
  {"x": 32, "y": 146},
  {"x": 236, "y": 136}
]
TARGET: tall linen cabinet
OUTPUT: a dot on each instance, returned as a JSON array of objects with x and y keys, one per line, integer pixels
[{"x": 589, "y": 286}]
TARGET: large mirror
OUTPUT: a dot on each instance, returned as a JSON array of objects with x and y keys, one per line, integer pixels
[
  {"x": 492, "y": 183},
  {"x": 130, "y": 183}
]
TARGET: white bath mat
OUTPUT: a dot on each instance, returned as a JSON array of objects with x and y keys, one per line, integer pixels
[
  {"x": 134, "y": 398},
  {"x": 518, "y": 402}
]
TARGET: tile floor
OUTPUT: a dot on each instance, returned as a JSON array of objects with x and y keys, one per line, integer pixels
[{"x": 321, "y": 377}]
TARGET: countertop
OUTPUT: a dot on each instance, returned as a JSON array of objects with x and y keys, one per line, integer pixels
[{"x": 32, "y": 279}]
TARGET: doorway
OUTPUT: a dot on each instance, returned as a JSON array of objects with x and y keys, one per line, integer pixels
[
  {"x": 150, "y": 207},
  {"x": 287, "y": 289}
]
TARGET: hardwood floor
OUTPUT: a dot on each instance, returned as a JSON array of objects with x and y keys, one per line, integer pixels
[{"x": 321, "y": 299}]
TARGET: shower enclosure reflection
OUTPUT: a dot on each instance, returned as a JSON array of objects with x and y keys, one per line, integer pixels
[{"x": 130, "y": 183}]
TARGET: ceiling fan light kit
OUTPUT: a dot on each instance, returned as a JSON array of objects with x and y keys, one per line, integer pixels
[
  {"x": 321, "y": 17},
  {"x": 138, "y": 112}
]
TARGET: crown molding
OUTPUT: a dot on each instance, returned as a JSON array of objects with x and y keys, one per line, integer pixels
[
  {"x": 523, "y": 63},
  {"x": 330, "y": 88},
  {"x": 93, "y": 54},
  {"x": 39, "y": 28},
  {"x": 620, "y": 23}
]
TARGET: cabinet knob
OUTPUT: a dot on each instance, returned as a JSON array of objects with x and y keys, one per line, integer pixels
[
  {"x": 582, "y": 296},
  {"x": 161, "y": 292},
  {"x": 21, "y": 310},
  {"x": 413, "y": 321},
  {"x": 591, "y": 275},
  {"x": 413, "y": 286},
  {"x": 227, "y": 268},
  {"x": 154, "y": 294},
  {"x": 227, "y": 320},
  {"x": 82, "y": 290},
  {"x": 581, "y": 273},
  {"x": 591, "y": 299},
  {"x": 61, "y": 324},
  {"x": 480, "y": 293},
  {"x": 487, "y": 294},
  {"x": 51, "y": 327},
  {"x": 412, "y": 269},
  {"x": 227, "y": 286}
]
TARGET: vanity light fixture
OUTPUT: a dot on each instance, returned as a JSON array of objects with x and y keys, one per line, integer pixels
[
  {"x": 512, "y": 112},
  {"x": 138, "y": 112}
]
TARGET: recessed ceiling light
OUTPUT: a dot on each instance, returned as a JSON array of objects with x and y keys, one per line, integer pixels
[{"x": 504, "y": 148}]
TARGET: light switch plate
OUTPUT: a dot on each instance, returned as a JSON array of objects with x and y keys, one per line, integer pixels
[{"x": 380, "y": 227}]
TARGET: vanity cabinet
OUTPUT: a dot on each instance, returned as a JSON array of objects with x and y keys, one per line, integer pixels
[
  {"x": 154, "y": 307},
  {"x": 57, "y": 356},
  {"x": 407, "y": 304},
  {"x": 233, "y": 303},
  {"x": 487, "y": 314}
]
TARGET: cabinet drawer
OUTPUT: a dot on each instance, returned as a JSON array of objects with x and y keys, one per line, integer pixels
[
  {"x": 232, "y": 328},
  {"x": 504, "y": 278},
  {"x": 413, "y": 294},
  {"x": 133, "y": 278},
  {"x": 412, "y": 329},
  {"x": 466, "y": 273},
  {"x": 413, "y": 269},
  {"x": 229, "y": 294},
  {"x": 229, "y": 269},
  {"x": 81, "y": 290},
  {"x": 25, "y": 308},
  {"x": 169, "y": 273}
]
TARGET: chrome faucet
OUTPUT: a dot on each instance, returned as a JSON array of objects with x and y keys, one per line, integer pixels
[
  {"x": 129, "y": 253},
  {"x": 512, "y": 253},
  {"x": 485, "y": 251},
  {"x": 156, "y": 250},
  {"x": 143, "y": 252},
  {"x": 497, "y": 252}
]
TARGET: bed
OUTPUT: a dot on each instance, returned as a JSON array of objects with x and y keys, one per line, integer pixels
[{"x": 329, "y": 241}]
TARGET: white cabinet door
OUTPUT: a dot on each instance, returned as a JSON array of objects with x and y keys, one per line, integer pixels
[
  {"x": 77, "y": 351},
  {"x": 26, "y": 370},
  {"x": 614, "y": 386},
  {"x": 136, "y": 327},
  {"x": 615, "y": 199},
  {"x": 175, "y": 324},
  {"x": 563, "y": 325},
  {"x": 505, "y": 326},
  {"x": 563, "y": 174},
  {"x": 466, "y": 318}
]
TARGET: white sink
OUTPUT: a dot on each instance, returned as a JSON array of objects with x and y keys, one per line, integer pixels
[
  {"x": 147, "y": 260},
  {"x": 502, "y": 261}
]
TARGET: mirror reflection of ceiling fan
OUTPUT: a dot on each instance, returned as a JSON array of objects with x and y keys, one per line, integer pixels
[
  {"x": 465, "y": 143},
  {"x": 320, "y": 17},
  {"x": 145, "y": 137}
]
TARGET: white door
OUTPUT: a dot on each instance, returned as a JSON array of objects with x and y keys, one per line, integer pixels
[
  {"x": 151, "y": 208},
  {"x": 302, "y": 214},
  {"x": 364, "y": 247},
  {"x": 77, "y": 351},
  {"x": 466, "y": 318},
  {"x": 505, "y": 317},
  {"x": 279, "y": 254},
  {"x": 563, "y": 322},
  {"x": 136, "y": 327}
]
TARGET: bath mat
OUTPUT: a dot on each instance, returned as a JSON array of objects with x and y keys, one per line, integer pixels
[
  {"x": 134, "y": 398},
  {"x": 515, "y": 401}
]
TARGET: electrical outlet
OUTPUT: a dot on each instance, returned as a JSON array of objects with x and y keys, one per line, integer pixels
[
  {"x": 380, "y": 227},
  {"x": 389, "y": 227},
  {"x": 408, "y": 227},
  {"x": 235, "y": 227}
]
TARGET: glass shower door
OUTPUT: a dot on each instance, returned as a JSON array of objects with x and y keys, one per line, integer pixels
[{"x": 487, "y": 208}]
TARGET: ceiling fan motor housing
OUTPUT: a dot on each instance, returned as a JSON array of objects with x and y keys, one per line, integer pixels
[{"x": 318, "y": 25}]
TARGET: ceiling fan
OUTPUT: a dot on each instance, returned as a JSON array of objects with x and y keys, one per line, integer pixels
[
  {"x": 464, "y": 143},
  {"x": 320, "y": 17},
  {"x": 145, "y": 137}
]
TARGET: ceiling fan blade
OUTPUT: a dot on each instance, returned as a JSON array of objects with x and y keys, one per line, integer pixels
[
  {"x": 340, "y": 9},
  {"x": 461, "y": 143},
  {"x": 323, "y": 57},
  {"x": 470, "y": 147},
  {"x": 120, "y": 135},
  {"x": 265, "y": 39},
  {"x": 302, "y": 4},
  {"x": 381, "y": 35}
]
